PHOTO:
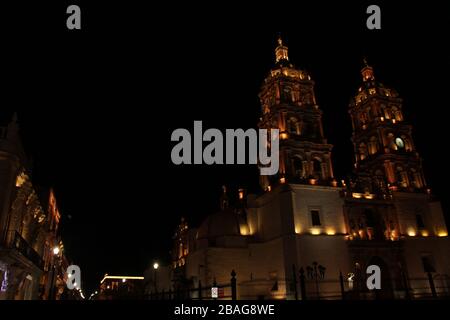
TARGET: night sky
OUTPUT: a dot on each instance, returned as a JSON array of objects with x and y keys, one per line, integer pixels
[{"x": 97, "y": 108}]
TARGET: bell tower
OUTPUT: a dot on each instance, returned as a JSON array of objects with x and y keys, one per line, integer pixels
[
  {"x": 288, "y": 103},
  {"x": 385, "y": 155}
]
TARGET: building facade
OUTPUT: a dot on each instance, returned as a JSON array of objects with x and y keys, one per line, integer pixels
[
  {"x": 309, "y": 233},
  {"x": 31, "y": 254},
  {"x": 120, "y": 288}
]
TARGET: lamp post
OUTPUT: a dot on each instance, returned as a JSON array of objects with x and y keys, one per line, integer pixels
[
  {"x": 155, "y": 268},
  {"x": 316, "y": 272},
  {"x": 52, "y": 293}
]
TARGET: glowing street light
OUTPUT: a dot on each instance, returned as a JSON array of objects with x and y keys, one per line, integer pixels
[
  {"x": 52, "y": 293},
  {"x": 155, "y": 267}
]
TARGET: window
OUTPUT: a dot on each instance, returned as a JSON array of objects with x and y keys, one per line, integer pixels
[
  {"x": 298, "y": 167},
  {"x": 317, "y": 166},
  {"x": 397, "y": 114},
  {"x": 419, "y": 222},
  {"x": 315, "y": 218}
]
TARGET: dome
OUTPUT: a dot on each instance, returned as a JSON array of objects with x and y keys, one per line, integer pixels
[{"x": 221, "y": 224}]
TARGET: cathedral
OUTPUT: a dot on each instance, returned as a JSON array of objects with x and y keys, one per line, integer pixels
[{"x": 310, "y": 235}]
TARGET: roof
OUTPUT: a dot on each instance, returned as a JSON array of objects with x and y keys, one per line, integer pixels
[{"x": 107, "y": 277}]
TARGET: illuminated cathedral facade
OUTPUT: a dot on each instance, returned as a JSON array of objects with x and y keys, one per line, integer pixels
[{"x": 308, "y": 220}]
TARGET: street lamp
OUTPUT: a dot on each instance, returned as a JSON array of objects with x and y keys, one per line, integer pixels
[
  {"x": 155, "y": 268},
  {"x": 52, "y": 294}
]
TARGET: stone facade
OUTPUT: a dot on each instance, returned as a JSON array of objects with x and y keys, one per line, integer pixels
[{"x": 28, "y": 226}]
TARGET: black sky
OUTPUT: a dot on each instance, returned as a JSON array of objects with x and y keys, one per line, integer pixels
[{"x": 97, "y": 107}]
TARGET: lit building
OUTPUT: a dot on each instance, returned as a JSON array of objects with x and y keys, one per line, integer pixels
[
  {"x": 53, "y": 281},
  {"x": 29, "y": 220},
  {"x": 306, "y": 220},
  {"x": 120, "y": 287}
]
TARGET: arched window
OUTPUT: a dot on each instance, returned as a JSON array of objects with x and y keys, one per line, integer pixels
[
  {"x": 397, "y": 114},
  {"x": 402, "y": 177},
  {"x": 294, "y": 126},
  {"x": 420, "y": 224},
  {"x": 299, "y": 171},
  {"x": 373, "y": 145},
  {"x": 317, "y": 168},
  {"x": 407, "y": 143},
  {"x": 375, "y": 224}
]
